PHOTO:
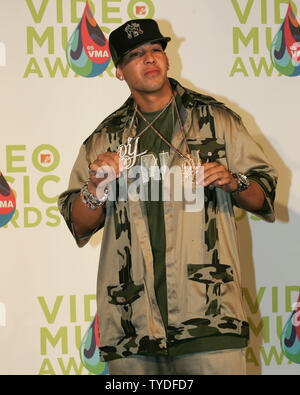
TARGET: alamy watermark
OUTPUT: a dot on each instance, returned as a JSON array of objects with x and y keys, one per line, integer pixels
[{"x": 154, "y": 183}]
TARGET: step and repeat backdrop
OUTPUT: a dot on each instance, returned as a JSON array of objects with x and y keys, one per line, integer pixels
[{"x": 245, "y": 53}]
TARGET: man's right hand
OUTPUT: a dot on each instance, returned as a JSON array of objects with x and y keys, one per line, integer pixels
[{"x": 106, "y": 168}]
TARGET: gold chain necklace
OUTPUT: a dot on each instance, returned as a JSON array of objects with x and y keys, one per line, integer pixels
[
  {"x": 189, "y": 165},
  {"x": 128, "y": 154}
]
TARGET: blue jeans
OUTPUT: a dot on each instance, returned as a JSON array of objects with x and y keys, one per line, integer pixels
[{"x": 223, "y": 362}]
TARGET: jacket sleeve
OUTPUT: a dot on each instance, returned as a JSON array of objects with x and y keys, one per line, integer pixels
[
  {"x": 78, "y": 177},
  {"x": 245, "y": 155}
]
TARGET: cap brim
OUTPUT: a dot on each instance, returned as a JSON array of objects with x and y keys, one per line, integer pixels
[{"x": 163, "y": 40}]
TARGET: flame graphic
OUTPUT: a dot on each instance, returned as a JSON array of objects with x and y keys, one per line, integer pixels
[
  {"x": 290, "y": 336},
  {"x": 89, "y": 350},
  {"x": 87, "y": 49},
  {"x": 7, "y": 202},
  {"x": 285, "y": 47}
]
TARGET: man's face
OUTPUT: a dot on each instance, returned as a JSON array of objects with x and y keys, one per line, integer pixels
[{"x": 145, "y": 68}]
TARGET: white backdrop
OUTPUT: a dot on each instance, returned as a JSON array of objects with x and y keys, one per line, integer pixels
[{"x": 47, "y": 284}]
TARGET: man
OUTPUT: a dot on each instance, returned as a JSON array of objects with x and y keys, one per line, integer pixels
[{"x": 169, "y": 285}]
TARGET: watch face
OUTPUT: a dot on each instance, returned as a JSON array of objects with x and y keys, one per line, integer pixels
[
  {"x": 244, "y": 182},
  {"x": 244, "y": 179}
]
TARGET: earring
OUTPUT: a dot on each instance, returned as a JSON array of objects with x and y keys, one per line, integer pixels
[{"x": 121, "y": 78}]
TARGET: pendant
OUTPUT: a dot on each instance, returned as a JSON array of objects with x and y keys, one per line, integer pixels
[
  {"x": 128, "y": 152},
  {"x": 190, "y": 168}
]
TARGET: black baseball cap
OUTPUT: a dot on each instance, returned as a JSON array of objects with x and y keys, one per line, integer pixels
[{"x": 133, "y": 34}]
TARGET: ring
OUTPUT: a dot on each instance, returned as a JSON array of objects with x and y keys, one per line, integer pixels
[{"x": 90, "y": 170}]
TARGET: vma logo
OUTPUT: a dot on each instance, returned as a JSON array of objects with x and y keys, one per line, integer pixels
[
  {"x": 2, "y": 55},
  {"x": 285, "y": 47},
  {"x": 295, "y": 51},
  {"x": 290, "y": 336}
]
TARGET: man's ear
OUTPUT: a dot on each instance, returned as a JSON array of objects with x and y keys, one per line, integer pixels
[{"x": 119, "y": 74}]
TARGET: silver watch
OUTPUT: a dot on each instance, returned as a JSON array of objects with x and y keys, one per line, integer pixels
[{"x": 242, "y": 182}]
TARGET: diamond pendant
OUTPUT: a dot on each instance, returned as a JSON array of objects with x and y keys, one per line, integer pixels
[
  {"x": 189, "y": 168},
  {"x": 128, "y": 154}
]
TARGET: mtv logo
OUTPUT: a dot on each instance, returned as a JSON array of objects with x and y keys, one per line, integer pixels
[
  {"x": 295, "y": 50},
  {"x": 45, "y": 159},
  {"x": 2, "y": 314},
  {"x": 2, "y": 55},
  {"x": 140, "y": 10}
]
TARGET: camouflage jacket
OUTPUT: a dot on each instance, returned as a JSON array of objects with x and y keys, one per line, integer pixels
[{"x": 202, "y": 263}]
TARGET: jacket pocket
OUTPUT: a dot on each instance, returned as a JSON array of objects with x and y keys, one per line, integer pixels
[
  {"x": 210, "y": 149},
  {"x": 205, "y": 288}
]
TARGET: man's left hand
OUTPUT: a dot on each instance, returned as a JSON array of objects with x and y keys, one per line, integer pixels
[{"x": 218, "y": 176}]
